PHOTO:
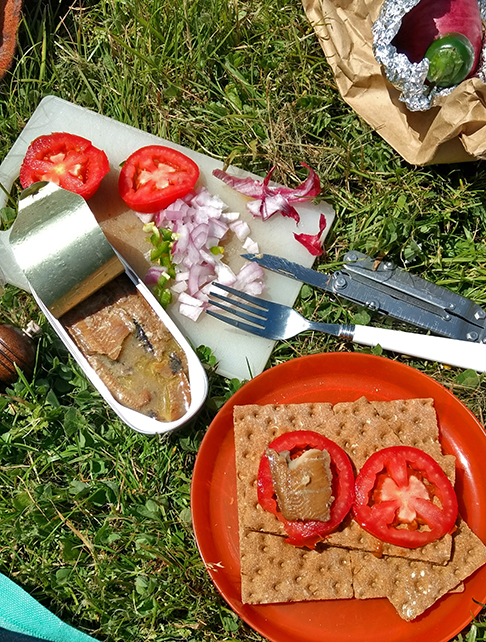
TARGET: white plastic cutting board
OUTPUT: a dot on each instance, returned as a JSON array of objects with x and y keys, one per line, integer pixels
[{"x": 239, "y": 354}]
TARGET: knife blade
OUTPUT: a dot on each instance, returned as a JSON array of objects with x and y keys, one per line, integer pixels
[{"x": 292, "y": 270}]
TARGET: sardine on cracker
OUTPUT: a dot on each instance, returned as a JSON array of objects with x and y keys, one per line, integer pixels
[{"x": 349, "y": 562}]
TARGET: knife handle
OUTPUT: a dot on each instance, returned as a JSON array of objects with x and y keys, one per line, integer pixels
[{"x": 453, "y": 352}]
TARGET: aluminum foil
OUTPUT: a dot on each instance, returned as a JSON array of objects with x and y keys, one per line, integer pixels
[{"x": 406, "y": 76}]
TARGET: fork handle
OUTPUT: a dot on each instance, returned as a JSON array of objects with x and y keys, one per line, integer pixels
[{"x": 454, "y": 352}]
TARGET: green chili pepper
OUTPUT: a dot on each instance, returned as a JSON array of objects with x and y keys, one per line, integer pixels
[
  {"x": 451, "y": 60},
  {"x": 162, "y": 239},
  {"x": 162, "y": 294}
]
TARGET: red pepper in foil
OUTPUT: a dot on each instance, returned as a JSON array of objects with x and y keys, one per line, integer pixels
[{"x": 447, "y": 32}]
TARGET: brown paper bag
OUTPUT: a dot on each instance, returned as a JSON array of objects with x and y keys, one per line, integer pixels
[{"x": 453, "y": 131}]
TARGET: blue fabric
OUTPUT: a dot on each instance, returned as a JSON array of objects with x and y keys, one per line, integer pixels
[
  {"x": 10, "y": 636},
  {"x": 21, "y": 613}
]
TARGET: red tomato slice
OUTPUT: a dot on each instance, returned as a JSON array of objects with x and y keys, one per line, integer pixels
[
  {"x": 404, "y": 497},
  {"x": 309, "y": 532},
  {"x": 153, "y": 177},
  {"x": 69, "y": 161}
]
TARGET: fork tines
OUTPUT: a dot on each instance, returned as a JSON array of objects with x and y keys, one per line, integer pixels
[{"x": 253, "y": 310}]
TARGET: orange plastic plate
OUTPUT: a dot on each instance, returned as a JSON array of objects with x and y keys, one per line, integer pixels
[{"x": 335, "y": 377}]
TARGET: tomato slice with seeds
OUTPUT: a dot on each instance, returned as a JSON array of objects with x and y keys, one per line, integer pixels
[
  {"x": 309, "y": 532},
  {"x": 67, "y": 160},
  {"x": 403, "y": 497},
  {"x": 155, "y": 176}
]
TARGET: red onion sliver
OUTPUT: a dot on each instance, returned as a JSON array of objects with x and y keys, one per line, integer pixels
[
  {"x": 268, "y": 199},
  {"x": 312, "y": 242}
]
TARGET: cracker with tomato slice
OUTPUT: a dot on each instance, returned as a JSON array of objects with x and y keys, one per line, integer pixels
[
  {"x": 360, "y": 428},
  {"x": 350, "y": 561}
]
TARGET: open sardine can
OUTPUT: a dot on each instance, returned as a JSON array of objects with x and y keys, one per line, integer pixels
[{"x": 121, "y": 337}]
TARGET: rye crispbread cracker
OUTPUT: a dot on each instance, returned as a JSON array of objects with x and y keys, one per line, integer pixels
[
  {"x": 272, "y": 571},
  {"x": 360, "y": 428},
  {"x": 409, "y": 422},
  {"x": 275, "y": 572},
  {"x": 353, "y": 537},
  {"x": 413, "y": 586}
]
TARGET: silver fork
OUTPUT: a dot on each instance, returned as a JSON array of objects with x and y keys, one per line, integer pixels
[{"x": 276, "y": 321}]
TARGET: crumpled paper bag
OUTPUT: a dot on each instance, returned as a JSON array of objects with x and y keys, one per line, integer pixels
[{"x": 451, "y": 132}]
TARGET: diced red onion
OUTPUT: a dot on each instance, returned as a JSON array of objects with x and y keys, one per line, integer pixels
[
  {"x": 145, "y": 218},
  {"x": 248, "y": 278},
  {"x": 153, "y": 275},
  {"x": 179, "y": 286},
  {"x": 230, "y": 217},
  {"x": 250, "y": 246},
  {"x": 189, "y": 306},
  {"x": 241, "y": 229},
  {"x": 200, "y": 223}
]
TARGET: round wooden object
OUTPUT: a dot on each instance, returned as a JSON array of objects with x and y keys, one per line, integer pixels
[{"x": 16, "y": 348}]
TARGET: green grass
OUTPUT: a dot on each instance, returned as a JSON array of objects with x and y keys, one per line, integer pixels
[{"x": 94, "y": 518}]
